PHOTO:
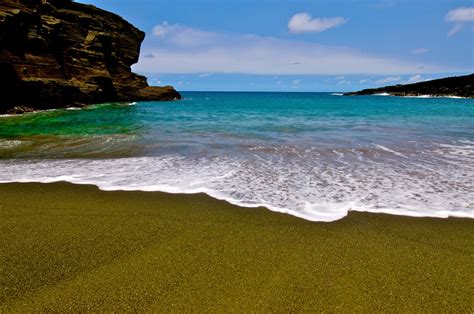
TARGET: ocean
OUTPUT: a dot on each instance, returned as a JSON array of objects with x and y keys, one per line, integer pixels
[{"x": 316, "y": 156}]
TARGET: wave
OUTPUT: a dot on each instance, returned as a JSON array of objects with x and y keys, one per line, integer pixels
[
  {"x": 435, "y": 96},
  {"x": 421, "y": 96},
  {"x": 325, "y": 190},
  {"x": 292, "y": 153},
  {"x": 6, "y": 144},
  {"x": 316, "y": 212},
  {"x": 389, "y": 150},
  {"x": 94, "y": 106},
  {"x": 6, "y": 115}
]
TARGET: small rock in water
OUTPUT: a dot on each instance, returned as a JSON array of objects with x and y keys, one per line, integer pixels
[{"x": 20, "y": 110}]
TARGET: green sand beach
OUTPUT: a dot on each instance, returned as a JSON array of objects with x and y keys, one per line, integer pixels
[{"x": 65, "y": 247}]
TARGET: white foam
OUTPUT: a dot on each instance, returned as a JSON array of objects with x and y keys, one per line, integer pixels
[
  {"x": 421, "y": 96},
  {"x": 434, "y": 96},
  {"x": 389, "y": 150},
  {"x": 305, "y": 185},
  {"x": 5, "y": 144},
  {"x": 337, "y": 94},
  {"x": 23, "y": 114},
  {"x": 455, "y": 97},
  {"x": 418, "y": 96}
]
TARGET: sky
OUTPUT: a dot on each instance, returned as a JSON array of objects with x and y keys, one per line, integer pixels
[{"x": 299, "y": 45}]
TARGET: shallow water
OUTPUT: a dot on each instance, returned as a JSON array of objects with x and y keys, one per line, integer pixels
[{"x": 313, "y": 155}]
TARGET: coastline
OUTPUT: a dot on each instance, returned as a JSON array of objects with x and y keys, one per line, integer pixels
[
  {"x": 75, "y": 247},
  {"x": 306, "y": 214},
  {"x": 133, "y": 103},
  {"x": 429, "y": 96},
  {"x": 88, "y": 107},
  {"x": 451, "y": 87}
]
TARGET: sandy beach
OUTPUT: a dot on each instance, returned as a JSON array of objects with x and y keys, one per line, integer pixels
[
  {"x": 66, "y": 247},
  {"x": 236, "y": 156}
]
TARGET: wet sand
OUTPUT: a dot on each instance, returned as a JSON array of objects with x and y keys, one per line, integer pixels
[{"x": 66, "y": 247}]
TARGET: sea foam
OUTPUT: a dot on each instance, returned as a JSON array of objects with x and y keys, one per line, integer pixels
[{"x": 325, "y": 190}]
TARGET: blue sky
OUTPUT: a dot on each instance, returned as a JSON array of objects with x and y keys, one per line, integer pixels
[{"x": 299, "y": 45}]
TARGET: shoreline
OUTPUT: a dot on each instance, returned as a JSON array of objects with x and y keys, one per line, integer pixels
[
  {"x": 459, "y": 86},
  {"x": 304, "y": 215},
  {"x": 133, "y": 103},
  {"x": 76, "y": 247},
  {"x": 85, "y": 107},
  {"x": 420, "y": 96}
]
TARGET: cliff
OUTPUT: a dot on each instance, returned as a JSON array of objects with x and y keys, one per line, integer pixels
[
  {"x": 460, "y": 86},
  {"x": 58, "y": 53}
]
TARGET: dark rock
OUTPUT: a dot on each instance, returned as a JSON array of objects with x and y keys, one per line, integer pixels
[
  {"x": 19, "y": 110},
  {"x": 58, "y": 53},
  {"x": 151, "y": 92},
  {"x": 460, "y": 86}
]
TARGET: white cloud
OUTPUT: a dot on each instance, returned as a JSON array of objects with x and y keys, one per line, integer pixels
[
  {"x": 296, "y": 82},
  {"x": 419, "y": 51},
  {"x": 339, "y": 78},
  {"x": 389, "y": 79},
  {"x": 205, "y": 74},
  {"x": 364, "y": 81},
  {"x": 416, "y": 79},
  {"x": 459, "y": 17},
  {"x": 183, "y": 35},
  {"x": 181, "y": 49},
  {"x": 455, "y": 29},
  {"x": 304, "y": 23},
  {"x": 154, "y": 82}
]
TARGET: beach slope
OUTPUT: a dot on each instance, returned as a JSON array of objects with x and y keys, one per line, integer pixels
[{"x": 76, "y": 248}]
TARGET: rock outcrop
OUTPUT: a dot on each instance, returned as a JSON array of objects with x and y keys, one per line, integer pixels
[
  {"x": 58, "y": 53},
  {"x": 459, "y": 86}
]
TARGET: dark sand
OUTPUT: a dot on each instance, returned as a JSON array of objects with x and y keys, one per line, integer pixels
[{"x": 75, "y": 248}]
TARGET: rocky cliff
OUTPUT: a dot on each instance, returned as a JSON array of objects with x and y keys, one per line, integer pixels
[
  {"x": 460, "y": 86},
  {"x": 58, "y": 53}
]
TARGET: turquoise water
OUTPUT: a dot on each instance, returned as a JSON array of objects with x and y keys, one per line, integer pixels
[{"x": 313, "y": 155}]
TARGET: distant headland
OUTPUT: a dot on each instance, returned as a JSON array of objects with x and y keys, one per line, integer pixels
[
  {"x": 57, "y": 53},
  {"x": 458, "y": 86}
]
